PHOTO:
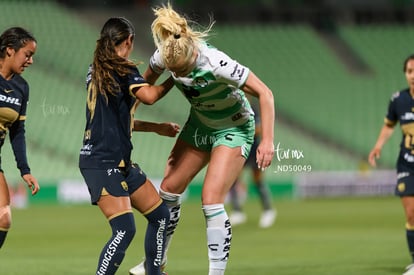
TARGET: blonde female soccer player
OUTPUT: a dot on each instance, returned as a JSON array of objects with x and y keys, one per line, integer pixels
[{"x": 220, "y": 128}]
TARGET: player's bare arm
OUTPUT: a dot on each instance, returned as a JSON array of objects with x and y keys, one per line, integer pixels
[
  {"x": 152, "y": 93},
  {"x": 254, "y": 86},
  {"x": 168, "y": 129}
]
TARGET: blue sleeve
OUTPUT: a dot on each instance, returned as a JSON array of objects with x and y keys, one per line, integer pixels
[
  {"x": 135, "y": 80},
  {"x": 18, "y": 138},
  {"x": 392, "y": 114},
  {"x": 18, "y": 142}
]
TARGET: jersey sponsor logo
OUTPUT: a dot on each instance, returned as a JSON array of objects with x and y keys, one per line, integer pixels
[
  {"x": 236, "y": 116},
  {"x": 8, "y": 90},
  {"x": 160, "y": 241},
  {"x": 86, "y": 149},
  {"x": 402, "y": 175},
  {"x": 110, "y": 252},
  {"x": 200, "y": 82},
  {"x": 229, "y": 137},
  {"x": 190, "y": 92},
  {"x": 407, "y": 116},
  {"x": 408, "y": 157},
  {"x": 198, "y": 105},
  {"x": 113, "y": 171},
  {"x": 9, "y": 99},
  {"x": 237, "y": 72},
  {"x": 223, "y": 63},
  {"x": 124, "y": 185},
  {"x": 401, "y": 187},
  {"x": 139, "y": 79}
]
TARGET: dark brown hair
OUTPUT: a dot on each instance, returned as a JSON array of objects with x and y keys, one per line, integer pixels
[{"x": 15, "y": 38}]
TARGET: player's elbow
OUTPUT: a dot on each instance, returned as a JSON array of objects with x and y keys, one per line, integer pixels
[
  {"x": 146, "y": 96},
  {"x": 148, "y": 100}
]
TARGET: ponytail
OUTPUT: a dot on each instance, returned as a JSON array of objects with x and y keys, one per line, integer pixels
[{"x": 173, "y": 35}]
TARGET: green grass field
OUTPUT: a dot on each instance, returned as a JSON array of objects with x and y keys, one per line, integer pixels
[{"x": 358, "y": 236}]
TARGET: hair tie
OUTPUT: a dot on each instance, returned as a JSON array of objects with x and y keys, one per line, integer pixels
[{"x": 177, "y": 36}]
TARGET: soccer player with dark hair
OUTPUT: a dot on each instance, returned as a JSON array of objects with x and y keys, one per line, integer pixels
[
  {"x": 17, "y": 47},
  {"x": 116, "y": 184},
  {"x": 401, "y": 110}
]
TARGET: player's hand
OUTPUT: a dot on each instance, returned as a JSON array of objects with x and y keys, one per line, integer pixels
[
  {"x": 373, "y": 155},
  {"x": 264, "y": 154},
  {"x": 32, "y": 183},
  {"x": 168, "y": 129}
]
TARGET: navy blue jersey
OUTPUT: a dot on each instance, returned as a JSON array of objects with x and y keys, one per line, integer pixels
[
  {"x": 107, "y": 139},
  {"x": 14, "y": 96},
  {"x": 401, "y": 110}
]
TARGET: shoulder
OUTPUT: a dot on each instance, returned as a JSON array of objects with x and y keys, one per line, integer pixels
[
  {"x": 223, "y": 66},
  {"x": 89, "y": 74},
  {"x": 402, "y": 94},
  {"x": 134, "y": 77},
  {"x": 18, "y": 79},
  {"x": 156, "y": 62},
  {"x": 212, "y": 55},
  {"x": 22, "y": 84}
]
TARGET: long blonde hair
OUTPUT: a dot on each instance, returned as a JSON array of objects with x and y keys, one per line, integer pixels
[{"x": 173, "y": 35}]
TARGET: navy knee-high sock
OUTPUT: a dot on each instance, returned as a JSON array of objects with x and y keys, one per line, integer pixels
[
  {"x": 264, "y": 194},
  {"x": 123, "y": 231},
  {"x": 155, "y": 238},
  {"x": 234, "y": 197},
  {"x": 410, "y": 241},
  {"x": 3, "y": 234}
]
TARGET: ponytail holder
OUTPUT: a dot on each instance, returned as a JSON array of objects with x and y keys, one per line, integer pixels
[{"x": 177, "y": 36}]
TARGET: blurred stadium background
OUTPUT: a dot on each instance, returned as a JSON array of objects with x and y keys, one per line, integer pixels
[{"x": 331, "y": 64}]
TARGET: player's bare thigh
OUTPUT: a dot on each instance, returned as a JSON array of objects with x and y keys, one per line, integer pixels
[
  {"x": 183, "y": 164},
  {"x": 408, "y": 204},
  {"x": 112, "y": 205},
  {"x": 145, "y": 197},
  {"x": 225, "y": 166}
]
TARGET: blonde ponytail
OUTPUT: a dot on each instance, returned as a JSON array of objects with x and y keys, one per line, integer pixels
[{"x": 173, "y": 36}]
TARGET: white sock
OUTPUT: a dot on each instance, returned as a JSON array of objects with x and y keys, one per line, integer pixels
[
  {"x": 216, "y": 272},
  {"x": 173, "y": 202},
  {"x": 218, "y": 237}
]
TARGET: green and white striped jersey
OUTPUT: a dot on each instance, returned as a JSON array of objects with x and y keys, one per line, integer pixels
[{"x": 213, "y": 88}]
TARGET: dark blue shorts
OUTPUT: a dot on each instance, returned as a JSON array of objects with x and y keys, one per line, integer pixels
[
  {"x": 405, "y": 185},
  {"x": 118, "y": 182}
]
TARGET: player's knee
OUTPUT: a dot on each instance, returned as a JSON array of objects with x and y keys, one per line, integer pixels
[
  {"x": 123, "y": 229},
  {"x": 409, "y": 224},
  {"x": 209, "y": 198},
  {"x": 410, "y": 217},
  {"x": 171, "y": 199},
  {"x": 159, "y": 214},
  {"x": 173, "y": 202},
  {"x": 5, "y": 217}
]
